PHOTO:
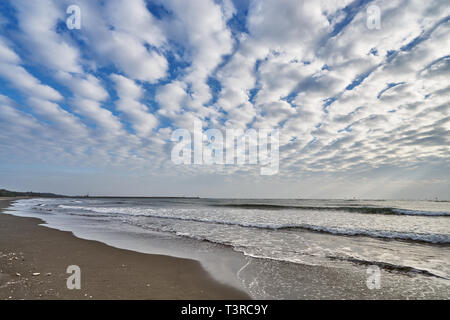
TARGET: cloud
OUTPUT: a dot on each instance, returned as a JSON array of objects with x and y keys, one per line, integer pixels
[
  {"x": 19, "y": 78},
  {"x": 125, "y": 35},
  {"x": 345, "y": 98},
  {"x": 199, "y": 27},
  {"x": 37, "y": 21},
  {"x": 129, "y": 94}
]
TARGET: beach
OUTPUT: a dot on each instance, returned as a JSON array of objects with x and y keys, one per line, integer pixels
[
  {"x": 158, "y": 248},
  {"x": 26, "y": 248}
]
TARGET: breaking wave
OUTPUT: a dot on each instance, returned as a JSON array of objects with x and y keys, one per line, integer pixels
[
  {"x": 407, "y": 236},
  {"x": 358, "y": 209}
]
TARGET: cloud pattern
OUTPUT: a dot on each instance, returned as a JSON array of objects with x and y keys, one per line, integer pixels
[{"x": 346, "y": 99}]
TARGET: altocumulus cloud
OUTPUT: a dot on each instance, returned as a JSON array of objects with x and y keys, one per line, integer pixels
[{"x": 357, "y": 107}]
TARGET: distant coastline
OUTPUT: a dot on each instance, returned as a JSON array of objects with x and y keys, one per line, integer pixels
[{"x": 12, "y": 194}]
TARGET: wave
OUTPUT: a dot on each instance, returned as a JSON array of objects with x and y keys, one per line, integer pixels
[
  {"x": 389, "y": 266},
  {"x": 93, "y": 209},
  {"x": 370, "y": 210},
  {"x": 419, "y": 237},
  {"x": 42, "y": 210},
  {"x": 383, "y": 265},
  {"x": 394, "y": 235},
  {"x": 243, "y": 249},
  {"x": 407, "y": 236},
  {"x": 421, "y": 213}
]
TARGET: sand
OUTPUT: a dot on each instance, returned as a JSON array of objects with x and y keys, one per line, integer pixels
[{"x": 26, "y": 248}]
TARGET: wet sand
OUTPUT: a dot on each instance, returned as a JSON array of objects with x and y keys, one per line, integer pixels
[{"x": 106, "y": 272}]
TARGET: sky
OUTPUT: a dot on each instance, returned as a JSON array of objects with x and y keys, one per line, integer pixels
[{"x": 360, "y": 99}]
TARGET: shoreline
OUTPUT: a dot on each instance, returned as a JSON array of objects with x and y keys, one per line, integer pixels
[
  {"x": 27, "y": 248},
  {"x": 228, "y": 273}
]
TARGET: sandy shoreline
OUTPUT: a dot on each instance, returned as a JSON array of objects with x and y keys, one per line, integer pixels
[{"x": 106, "y": 272}]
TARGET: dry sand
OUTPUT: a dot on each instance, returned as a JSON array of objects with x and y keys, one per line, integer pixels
[{"x": 106, "y": 272}]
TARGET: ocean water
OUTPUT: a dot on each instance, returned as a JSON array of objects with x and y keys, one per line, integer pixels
[{"x": 276, "y": 240}]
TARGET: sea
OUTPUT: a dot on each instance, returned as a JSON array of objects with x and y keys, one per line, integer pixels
[{"x": 277, "y": 248}]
